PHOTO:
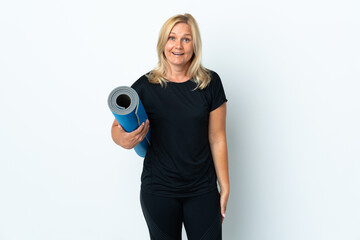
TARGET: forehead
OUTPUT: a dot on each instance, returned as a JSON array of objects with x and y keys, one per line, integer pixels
[{"x": 181, "y": 29}]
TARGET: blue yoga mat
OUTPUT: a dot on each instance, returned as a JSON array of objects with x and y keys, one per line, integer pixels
[{"x": 128, "y": 110}]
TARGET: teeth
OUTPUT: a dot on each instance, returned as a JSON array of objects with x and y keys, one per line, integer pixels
[{"x": 178, "y": 53}]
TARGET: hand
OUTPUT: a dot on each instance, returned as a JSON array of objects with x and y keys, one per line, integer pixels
[
  {"x": 224, "y": 196},
  {"x": 129, "y": 140}
]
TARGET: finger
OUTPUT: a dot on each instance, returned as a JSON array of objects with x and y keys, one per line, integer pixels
[
  {"x": 222, "y": 214},
  {"x": 147, "y": 127},
  {"x": 223, "y": 207},
  {"x": 223, "y": 210},
  {"x": 139, "y": 129},
  {"x": 145, "y": 130}
]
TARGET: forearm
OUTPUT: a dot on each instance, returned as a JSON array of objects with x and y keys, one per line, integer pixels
[{"x": 220, "y": 158}]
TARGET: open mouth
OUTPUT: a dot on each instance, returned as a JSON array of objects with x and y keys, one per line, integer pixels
[{"x": 178, "y": 54}]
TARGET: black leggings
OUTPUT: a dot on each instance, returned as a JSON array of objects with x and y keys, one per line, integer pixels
[{"x": 164, "y": 216}]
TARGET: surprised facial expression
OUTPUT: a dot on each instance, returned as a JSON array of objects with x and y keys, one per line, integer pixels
[{"x": 179, "y": 46}]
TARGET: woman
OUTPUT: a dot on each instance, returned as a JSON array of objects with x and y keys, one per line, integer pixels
[{"x": 186, "y": 107}]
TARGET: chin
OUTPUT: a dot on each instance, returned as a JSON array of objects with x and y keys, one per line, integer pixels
[{"x": 177, "y": 63}]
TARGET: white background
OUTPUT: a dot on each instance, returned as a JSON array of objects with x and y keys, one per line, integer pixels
[{"x": 291, "y": 74}]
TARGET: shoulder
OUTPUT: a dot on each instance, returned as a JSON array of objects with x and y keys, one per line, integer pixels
[
  {"x": 214, "y": 76},
  {"x": 215, "y": 79},
  {"x": 140, "y": 83}
]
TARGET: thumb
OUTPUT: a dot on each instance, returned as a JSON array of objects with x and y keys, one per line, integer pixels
[
  {"x": 223, "y": 210},
  {"x": 223, "y": 203}
]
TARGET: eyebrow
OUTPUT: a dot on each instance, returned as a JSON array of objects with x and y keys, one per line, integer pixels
[{"x": 184, "y": 35}]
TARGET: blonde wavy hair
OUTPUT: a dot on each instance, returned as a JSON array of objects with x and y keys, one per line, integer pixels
[{"x": 199, "y": 74}]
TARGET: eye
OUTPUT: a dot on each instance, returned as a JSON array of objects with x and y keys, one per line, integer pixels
[
  {"x": 186, "y": 40},
  {"x": 172, "y": 38}
]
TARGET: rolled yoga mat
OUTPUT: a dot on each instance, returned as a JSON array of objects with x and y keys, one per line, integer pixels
[{"x": 128, "y": 110}]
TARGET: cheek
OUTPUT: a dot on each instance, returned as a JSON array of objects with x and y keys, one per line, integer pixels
[
  {"x": 167, "y": 49},
  {"x": 168, "y": 46},
  {"x": 191, "y": 50}
]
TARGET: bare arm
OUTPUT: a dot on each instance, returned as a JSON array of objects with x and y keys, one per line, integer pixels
[
  {"x": 218, "y": 145},
  {"x": 131, "y": 139}
]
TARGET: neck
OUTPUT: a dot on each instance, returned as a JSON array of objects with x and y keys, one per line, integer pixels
[{"x": 178, "y": 73}]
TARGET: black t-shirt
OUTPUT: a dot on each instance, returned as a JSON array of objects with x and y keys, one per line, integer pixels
[{"x": 178, "y": 162}]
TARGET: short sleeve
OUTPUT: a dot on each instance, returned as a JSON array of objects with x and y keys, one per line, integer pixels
[
  {"x": 217, "y": 92},
  {"x": 139, "y": 84}
]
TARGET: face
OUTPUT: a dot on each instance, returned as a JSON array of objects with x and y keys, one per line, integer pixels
[{"x": 179, "y": 46}]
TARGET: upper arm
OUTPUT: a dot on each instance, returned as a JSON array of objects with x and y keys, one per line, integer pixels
[{"x": 217, "y": 124}]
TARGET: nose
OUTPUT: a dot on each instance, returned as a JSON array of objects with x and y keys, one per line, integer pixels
[{"x": 178, "y": 44}]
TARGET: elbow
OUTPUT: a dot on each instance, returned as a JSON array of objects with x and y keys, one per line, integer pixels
[
  {"x": 115, "y": 136},
  {"x": 217, "y": 139}
]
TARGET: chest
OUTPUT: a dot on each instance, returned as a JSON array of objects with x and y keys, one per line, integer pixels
[{"x": 176, "y": 104}]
